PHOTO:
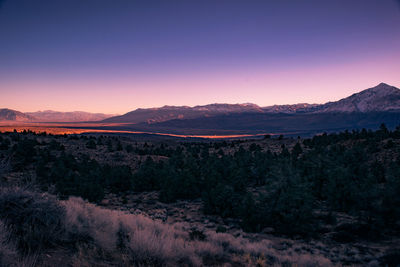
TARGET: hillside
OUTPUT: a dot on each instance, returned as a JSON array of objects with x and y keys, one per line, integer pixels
[
  {"x": 165, "y": 113},
  {"x": 295, "y": 108},
  {"x": 276, "y": 123},
  {"x": 366, "y": 109},
  {"x": 330, "y": 200},
  {"x": 74, "y": 116},
  {"x": 14, "y": 115},
  {"x": 381, "y": 98}
]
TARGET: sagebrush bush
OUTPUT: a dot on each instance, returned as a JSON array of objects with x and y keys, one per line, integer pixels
[
  {"x": 33, "y": 220},
  {"x": 146, "y": 241}
]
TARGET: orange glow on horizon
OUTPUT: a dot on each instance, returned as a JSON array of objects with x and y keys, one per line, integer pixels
[{"x": 61, "y": 129}]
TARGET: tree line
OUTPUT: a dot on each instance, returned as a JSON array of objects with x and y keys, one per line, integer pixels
[{"x": 356, "y": 172}]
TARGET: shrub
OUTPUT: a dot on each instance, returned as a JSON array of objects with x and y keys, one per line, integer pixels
[
  {"x": 221, "y": 229},
  {"x": 5, "y": 166},
  {"x": 390, "y": 258},
  {"x": 33, "y": 220},
  {"x": 196, "y": 234},
  {"x": 118, "y": 179},
  {"x": 24, "y": 153},
  {"x": 8, "y": 252},
  {"x": 289, "y": 207},
  {"x": 91, "y": 144}
]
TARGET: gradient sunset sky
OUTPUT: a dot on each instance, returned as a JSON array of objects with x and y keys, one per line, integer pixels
[{"x": 116, "y": 56}]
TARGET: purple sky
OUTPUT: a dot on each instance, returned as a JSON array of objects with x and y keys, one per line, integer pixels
[{"x": 115, "y": 56}]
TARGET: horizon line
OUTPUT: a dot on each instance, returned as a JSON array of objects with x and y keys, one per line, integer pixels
[{"x": 193, "y": 106}]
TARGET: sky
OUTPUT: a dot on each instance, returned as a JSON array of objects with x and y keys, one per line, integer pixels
[{"x": 115, "y": 56}]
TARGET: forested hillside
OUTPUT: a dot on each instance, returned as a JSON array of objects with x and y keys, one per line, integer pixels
[{"x": 292, "y": 187}]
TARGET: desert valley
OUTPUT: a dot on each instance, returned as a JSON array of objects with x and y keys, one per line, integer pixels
[
  {"x": 365, "y": 109},
  {"x": 251, "y": 196},
  {"x": 199, "y": 133}
]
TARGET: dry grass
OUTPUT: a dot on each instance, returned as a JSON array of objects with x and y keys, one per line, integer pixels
[
  {"x": 9, "y": 255},
  {"x": 95, "y": 236},
  {"x": 139, "y": 240}
]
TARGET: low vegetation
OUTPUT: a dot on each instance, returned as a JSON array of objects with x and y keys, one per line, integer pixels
[
  {"x": 93, "y": 236},
  {"x": 294, "y": 188}
]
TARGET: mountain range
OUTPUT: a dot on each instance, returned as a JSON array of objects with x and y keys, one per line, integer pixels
[
  {"x": 51, "y": 116},
  {"x": 380, "y": 98},
  {"x": 74, "y": 116},
  {"x": 366, "y": 109},
  {"x": 13, "y": 115},
  {"x": 166, "y": 113}
]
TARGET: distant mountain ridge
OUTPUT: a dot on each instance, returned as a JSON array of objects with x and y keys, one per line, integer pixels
[
  {"x": 74, "y": 116},
  {"x": 295, "y": 108},
  {"x": 380, "y": 98},
  {"x": 165, "y": 113},
  {"x": 14, "y": 115},
  {"x": 51, "y": 116}
]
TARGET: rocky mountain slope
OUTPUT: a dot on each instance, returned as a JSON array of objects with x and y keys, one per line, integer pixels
[
  {"x": 295, "y": 108},
  {"x": 382, "y": 97}
]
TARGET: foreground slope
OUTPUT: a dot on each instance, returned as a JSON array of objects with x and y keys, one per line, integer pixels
[{"x": 332, "y": 199}]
